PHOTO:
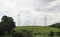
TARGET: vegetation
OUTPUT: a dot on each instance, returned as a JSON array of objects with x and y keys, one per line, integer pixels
[
  {"x": 39, "y": 30},
  {"x": 9, "y": 29},
  {"x": 7, "y": 24},
  {"x": 51, "y": 34},
  {"x": 42, "y": 31},
  {"x": 58, "y": 33},
  {"x": 22, "y": 33},
  {"x": 56, "y": 25}
]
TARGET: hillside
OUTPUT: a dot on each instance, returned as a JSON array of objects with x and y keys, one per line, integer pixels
[{"x": 38, "y": 29}]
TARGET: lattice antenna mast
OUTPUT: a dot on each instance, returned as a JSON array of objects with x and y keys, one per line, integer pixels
[
  {"x": 34, "y": 21},
  {"x": 45, "y": 21},
  {"x": 18, "y": 19},
  {"x": 19, "y": 13}
]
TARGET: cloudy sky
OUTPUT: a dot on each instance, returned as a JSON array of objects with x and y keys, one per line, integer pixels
[{"x": 31, "y": 12}]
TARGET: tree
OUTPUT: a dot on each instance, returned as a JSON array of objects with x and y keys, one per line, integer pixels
[
  {"x": 56, "y": 25},
  {"x": 7, "y": 24},
  {"x": 4, "y": 18}
]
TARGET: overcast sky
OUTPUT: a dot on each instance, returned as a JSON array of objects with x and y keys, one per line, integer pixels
[{"x": 31, "y": 11}]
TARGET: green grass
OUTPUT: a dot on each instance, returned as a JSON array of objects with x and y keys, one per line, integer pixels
[{"x": 38, "y": 29}]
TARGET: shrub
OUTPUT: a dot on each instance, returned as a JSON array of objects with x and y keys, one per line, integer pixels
[
  {"x": 58, "y": 33},
  {"x": 51, "y": 33},
  {"x": 22, "y": 33}
]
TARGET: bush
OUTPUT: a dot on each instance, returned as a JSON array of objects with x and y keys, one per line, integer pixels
[
  {"x": 58, "y": 33},
  {"x": 51, "y": 33},
  {"x": 23, "y": 33},
  {"x": 38, "y": 33}
]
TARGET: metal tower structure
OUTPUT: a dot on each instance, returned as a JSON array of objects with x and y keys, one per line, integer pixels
[
  {"x": 18, "y": 19},
  {"x": 45, "y": 21}
]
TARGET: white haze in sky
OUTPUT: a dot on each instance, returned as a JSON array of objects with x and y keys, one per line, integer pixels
[{"x": 31, "y": 12}]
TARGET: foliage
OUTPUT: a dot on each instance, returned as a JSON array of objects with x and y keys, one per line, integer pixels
[
  {"x": 6, "y": 25},
  {"x": 34, "y": 29},
  {"x": 37, "y": 33},
  {"x": 51, "y": 33},
  {"x": 58, "y": 33},
  {"x": 56, "y": 25},
  {"x": 41, "y": 30},
  {"x": 23, "y": 33}
]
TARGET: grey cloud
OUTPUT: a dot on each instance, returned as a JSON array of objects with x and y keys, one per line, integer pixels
[
  {"x": 13, "y": 0},
  {"x": 56, "y": 8},
  {"x": 43, "y": 6},
  {"x": 45, "y": 2}
]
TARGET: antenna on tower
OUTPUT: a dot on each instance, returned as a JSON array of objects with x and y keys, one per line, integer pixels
[
  {"x": 29, "y": 22},
  {"x": 18, "y": 13},
  {"x": 34, "y": 21},
  {"x": 45, "y": 21},
  {"x": 18, "y": 18}
]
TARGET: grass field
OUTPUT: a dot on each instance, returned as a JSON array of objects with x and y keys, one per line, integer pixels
[{"x": 42, "y": 30}]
